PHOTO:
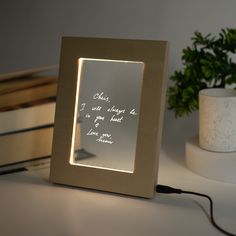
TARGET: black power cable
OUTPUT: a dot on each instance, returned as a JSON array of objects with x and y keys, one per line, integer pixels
[{"x": 168, "y": 190}]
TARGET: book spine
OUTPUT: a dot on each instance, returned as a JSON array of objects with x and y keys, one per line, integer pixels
[{"x": 25, "y": 146}]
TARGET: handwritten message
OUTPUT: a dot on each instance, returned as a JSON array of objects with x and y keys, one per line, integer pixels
[{"x": 105, "y": 114}]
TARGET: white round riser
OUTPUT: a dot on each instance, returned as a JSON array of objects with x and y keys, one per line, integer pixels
[{"x": 213, "y": 165}]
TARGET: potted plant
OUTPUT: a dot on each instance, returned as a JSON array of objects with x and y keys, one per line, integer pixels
[{"x": 209, "y": 68}]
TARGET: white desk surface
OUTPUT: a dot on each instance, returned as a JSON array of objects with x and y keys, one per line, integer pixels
[{"x": 31, "y": 206}]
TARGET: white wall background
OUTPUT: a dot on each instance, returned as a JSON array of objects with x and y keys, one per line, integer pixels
[{"x": 30, "y": 33}]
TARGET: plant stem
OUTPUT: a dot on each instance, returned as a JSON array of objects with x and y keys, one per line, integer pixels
[{"x": 222, "y": 84}]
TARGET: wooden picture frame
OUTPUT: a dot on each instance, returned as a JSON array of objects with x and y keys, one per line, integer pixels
[{"x": 142, "y": 180}]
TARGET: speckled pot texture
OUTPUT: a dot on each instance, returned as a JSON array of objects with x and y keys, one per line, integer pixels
[{"x": 217, "y": 120}]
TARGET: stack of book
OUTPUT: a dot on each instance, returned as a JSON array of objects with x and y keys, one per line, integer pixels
[{"x": 27, "y": 108}]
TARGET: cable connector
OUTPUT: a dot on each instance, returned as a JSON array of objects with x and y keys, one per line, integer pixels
[{"x": 167, "y": 189}]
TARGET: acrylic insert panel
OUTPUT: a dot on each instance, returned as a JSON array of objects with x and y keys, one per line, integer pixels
[{"x": 107, "y": 114}]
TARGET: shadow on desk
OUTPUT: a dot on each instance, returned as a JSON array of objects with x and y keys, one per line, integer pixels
[
  {"x": 176, "y": 132},
  {"x": 30, "y": 177}
]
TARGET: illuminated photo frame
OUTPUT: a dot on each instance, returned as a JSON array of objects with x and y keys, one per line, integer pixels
[{"x": 78, "y": 57}]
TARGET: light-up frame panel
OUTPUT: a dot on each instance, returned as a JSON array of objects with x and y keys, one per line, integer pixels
[
  {"x": 107, "y": 112},
  {"x": 143, "y": 179}
]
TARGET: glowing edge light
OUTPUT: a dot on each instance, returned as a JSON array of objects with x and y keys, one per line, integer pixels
[
  {"x": 123, "y": 61},
  {"x": 76, "y": 110}
]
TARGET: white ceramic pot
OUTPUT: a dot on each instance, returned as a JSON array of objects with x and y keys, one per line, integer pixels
[{"x": 217, "y": 120}]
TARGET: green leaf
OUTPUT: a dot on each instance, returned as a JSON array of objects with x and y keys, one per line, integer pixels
[{"x": 207, "y": 63}]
